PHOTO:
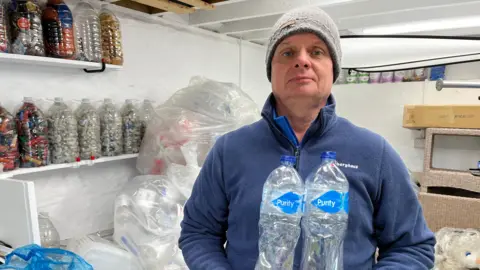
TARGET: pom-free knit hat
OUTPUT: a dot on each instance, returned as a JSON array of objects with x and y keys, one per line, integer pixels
[{"x": 306, "y": 20}]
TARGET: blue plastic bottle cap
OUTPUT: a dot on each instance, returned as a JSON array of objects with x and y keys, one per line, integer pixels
[
  {"x": 288, "y": 159},
  {"x": 329, "y": 155}
]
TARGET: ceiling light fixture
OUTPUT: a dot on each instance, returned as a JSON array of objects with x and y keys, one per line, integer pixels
[{"x": 421, "y": 26}]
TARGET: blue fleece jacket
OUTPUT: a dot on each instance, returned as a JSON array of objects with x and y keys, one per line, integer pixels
[{"x": 225, "y": 202}]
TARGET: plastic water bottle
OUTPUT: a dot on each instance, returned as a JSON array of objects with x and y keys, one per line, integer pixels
[
  {"x": 280, "y": 215},
  {"x": 88, "y": 39},
  {"x": 326, "y": 216}
]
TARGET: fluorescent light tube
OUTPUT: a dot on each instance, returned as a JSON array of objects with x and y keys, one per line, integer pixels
[{"x": 421, "y": 26}]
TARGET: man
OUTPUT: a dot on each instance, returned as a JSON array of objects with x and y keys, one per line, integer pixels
[{"x": 303, "y": 61}]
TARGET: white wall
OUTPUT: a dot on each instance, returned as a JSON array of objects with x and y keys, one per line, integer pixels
[
  {"x": 158, "y": 61},
  {"x": 380, "y": 108}
]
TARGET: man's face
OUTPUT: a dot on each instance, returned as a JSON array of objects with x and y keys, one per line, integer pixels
[{"x": 302, "y": 68}]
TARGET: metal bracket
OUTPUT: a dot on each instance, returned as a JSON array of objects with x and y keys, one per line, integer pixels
[{"x": 97, "y": 70}]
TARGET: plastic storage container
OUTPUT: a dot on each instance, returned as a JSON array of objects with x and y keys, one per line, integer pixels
[
  {"x": 88, "y": 39},
  {"x": 8, "y": 141},
  {"x": 111, "y": 136},
  {"x": 88, "y": 126},
  {"x": 4, "y": 35},
  {"x": 57, "y": 21},
  {"x": 26, "y": 28},
  {"x": 62, "y": 133},
  {"x": 111, "y": 37},
  {"x": 48, "y": 233},
  {"x": 132, "y": 128},
  {"x": 32, "y": 129}
]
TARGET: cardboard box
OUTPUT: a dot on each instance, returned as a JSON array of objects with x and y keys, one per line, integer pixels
[
  {"x": 446, "y": 116},
  {"x": 450, "y": 211}
]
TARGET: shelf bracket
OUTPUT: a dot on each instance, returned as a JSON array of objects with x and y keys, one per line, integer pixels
[{"x": 96, "y": 70}]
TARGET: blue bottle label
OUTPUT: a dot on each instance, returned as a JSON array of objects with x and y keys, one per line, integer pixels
[
  {"x": 289, "y": 203},
  {"x": 329, "y": 202},
  {"x": 346, "y": 200}
]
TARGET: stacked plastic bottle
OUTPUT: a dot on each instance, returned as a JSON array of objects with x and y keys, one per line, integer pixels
[
  {"x": 111, "y": 37},
  {"x": 88, "y": 125},
  {"x": 132, "y": 128},
  {"x": 326, "y": 216},
  {"x": 8, "y": 141},
  {"x": 280, "y": 216},
  {"x": 32, "y": 129},
  {"x": 62, "y": 133},
  {"x": 87, "y": 33},
  {"x": 111, "y": 136},
  {"x": 4, "y": 29},
  {"x": 57, "y": 21},
  {"x": 26, "y": 27},
  {"x": 146, "y": 113}
]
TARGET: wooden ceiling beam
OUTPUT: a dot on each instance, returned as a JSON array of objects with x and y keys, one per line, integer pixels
[
  {"x": 137, "y": 6},
  {"x": 167, "y": 5},
  {"x": 199, "y": 4}
]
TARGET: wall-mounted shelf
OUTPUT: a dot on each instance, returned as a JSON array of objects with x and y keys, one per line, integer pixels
[
  {"x": 53, "y": 62},
  {"x": 52, "y": 167}
]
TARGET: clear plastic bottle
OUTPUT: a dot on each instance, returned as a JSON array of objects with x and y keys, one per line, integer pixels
[
  {"x": 26, "y": 28},
  {"x": 88, "y": 39},
  {"x": 326, "y": 216},
  {"x": 4, "y": 34},
  {"x": 111, "y": 136},
  {"x": 57, "y": 21},
  {"x": 32, "y": 130},
  {"x": 146, "y": 113},
  {"x": 62, "y": 133},
  {"x": 111, "y": 37},
  {"x": 132, "y": 128},
  {"x": 280, "y": 215},
  {"x": 88, "y": 125},
  {"x": 49, "y": 236},
  {"x": 8, "y": 141}
]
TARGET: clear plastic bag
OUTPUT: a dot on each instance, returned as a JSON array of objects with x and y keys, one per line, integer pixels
[
  {"x": 197, "y": 114},
  {"x": 111, "y": 136},
  {"x": 32, "y": 129},
  {"x": 34, "y": 257},
  {"x": 147, "y": 219},
  {"x": 62, "y": 133},
  {"x": 88, "y": 125},
  {"x": 4, "y": 29},
  {"x": 8, "y": 141},
  {"x": 132, "y": 128}
]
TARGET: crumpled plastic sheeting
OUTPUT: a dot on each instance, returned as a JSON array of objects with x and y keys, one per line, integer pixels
[{"x": 197, "y": 114}]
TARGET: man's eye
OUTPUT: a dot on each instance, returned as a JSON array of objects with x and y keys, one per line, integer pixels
[
  {"x": 317, "y": 52},
  {"x": 287, "y": 53}
]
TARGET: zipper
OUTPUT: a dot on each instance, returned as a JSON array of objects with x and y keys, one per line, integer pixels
[
  {"x": 297, "y": 157},
  {"x": 296, "y": 149}
]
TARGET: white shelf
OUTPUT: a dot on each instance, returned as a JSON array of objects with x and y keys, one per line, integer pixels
[
  {"x": 52, "y": 167},
  {"x": 52, "y": 62}
]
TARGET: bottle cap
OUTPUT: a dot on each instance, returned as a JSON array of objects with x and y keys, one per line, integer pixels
[
  {"x": 288, "y": 159},
  {"x": 329, "y": 155}
]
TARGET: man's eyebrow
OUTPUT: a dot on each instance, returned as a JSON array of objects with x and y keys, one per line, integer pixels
[{"x": 285, "y": 43}]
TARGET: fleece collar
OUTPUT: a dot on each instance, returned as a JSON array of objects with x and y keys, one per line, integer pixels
[{"x": 280, "y": 125}]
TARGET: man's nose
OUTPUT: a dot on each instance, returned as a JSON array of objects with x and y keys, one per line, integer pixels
[{"x": 302, "y": 60}]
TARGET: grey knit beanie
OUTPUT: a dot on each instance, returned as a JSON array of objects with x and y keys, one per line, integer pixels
[{"x": 306, "y": 20}]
